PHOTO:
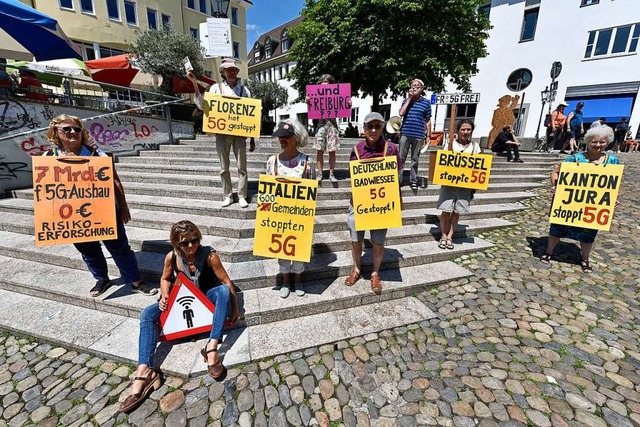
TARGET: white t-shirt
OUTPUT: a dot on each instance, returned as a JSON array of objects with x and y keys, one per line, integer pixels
[
  {"x": 471, "y": 147},
  {"x": 298, "y": 167}
]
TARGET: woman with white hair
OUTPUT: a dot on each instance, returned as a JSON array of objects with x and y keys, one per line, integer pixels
[
  {"x": 597, "y": 140},
  {"x": 291, "y": 163}
]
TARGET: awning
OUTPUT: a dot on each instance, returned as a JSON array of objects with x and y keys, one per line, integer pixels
[
  {"x": 613, "y": 107},
  {"x": 115, "y": 70},
  {"x": 184, "y": 85}
]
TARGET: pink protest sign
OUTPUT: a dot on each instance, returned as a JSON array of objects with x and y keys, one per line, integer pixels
[{"x": 329, "y": 101}]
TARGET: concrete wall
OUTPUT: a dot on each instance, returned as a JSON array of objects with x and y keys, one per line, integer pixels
[{"x": 122, "y": 134}]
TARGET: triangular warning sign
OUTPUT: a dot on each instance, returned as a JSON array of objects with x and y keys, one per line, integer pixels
[{"x": 189, "y": 311}]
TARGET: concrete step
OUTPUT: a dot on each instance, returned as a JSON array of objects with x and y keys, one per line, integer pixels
[
  {"x": 23, "y": 203},
  {"x": 212, "y": 170},
  {"x": 250, "y": 274},
  {"x": 115, "y": 337},
  {"x": 258, "y": 306}
]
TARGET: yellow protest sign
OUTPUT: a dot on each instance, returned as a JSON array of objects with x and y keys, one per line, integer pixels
[
  {"x": 73, "y": 200},
  {"x": 231, "y": 115},
  {"x": 376, "y": 193},
  {"x": 462, "y": 170},
  {"x": 586, "y": 195},
  {"x": 285, "y": 215}
]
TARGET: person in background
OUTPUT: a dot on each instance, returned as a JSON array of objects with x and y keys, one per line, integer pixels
[
  {"x": 597, "y": 139},
  {"x": 598, "y": 122},
  {"x": 416, "y": 127},
  {"x": 69, "y": 138},
  {"x": 618, "y": 135},
  {"x": 327, "y": 138},
  {"x": 557, "y": 127},
  {"x": 576, "y": 128},
  {"x": 455, "y": 200},
  {"x": 291, "y": 163},
  {"x": 231, "y": 85},
  {"x": 373, "y": 146},
  {"x": 202, "y": 265},
  {"x": 507, "y": 141}
]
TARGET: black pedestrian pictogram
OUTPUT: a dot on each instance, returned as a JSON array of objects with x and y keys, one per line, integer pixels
[{"x": 187, "y": 313}]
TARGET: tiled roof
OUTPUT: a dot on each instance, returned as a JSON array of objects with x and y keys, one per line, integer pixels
[{"x": 276, "y": 41}]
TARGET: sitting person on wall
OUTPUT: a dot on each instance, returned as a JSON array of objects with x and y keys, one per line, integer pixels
[
  {"x": 203, "y": 266},
  {"x": 70, "y": 138},
  {"x": 507, "y": 141},
  {"x": 293, "y": 164}
]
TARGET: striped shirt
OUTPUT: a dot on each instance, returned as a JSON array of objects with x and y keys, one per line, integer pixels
[{"x": 416, "y": 118}]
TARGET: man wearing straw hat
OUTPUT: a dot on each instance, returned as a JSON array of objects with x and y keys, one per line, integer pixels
[{"x": 230, "y": 85}]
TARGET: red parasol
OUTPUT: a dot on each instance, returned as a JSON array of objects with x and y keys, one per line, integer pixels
[
  {"x": 184, "y": 85},
  {"x": 116, "y": 70}
]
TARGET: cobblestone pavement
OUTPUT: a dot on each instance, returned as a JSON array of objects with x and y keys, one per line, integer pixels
[{"x": 518, "y": 344}]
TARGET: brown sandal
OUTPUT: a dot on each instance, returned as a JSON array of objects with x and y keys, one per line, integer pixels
[
  {"x": 376, "y": 284},
  {"x": 150, "y": 382},
  {"x": 216, "y": 371},
  {"x": 352, "y": 278}
]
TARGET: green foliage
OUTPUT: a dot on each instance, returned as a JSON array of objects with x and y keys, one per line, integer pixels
[
  {"x": 161, "y": 52},
  {"x": 383, "y": 44},
  {"x": 273, "y": 95}
]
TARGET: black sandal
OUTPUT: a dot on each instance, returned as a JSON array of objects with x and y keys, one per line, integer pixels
[
  {"x": 545, "y": 259},
  {"x": 144, "y": 288},
  {"x": 586, "y": 268},
  {"x": 100, "y": 287}
]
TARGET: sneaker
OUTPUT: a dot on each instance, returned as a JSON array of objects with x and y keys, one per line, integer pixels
[
  {"x": 226, "y": 202},
  {"x": 300, "y": 289},
  {"x": 243, "y": 202},
  {"x": 414, "y": 186},
  {"x": 284, "y": 291},
  {"x": 319, "y": 176},
  {"x": 518, "y": 161},
  {"x": 332, "y": 177}
]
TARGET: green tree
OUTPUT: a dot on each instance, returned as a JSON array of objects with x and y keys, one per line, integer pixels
[
  {"x": 161, "y": 52},
  {"x": 380, "y": 45},
  {"x": 273, "y": 95}
]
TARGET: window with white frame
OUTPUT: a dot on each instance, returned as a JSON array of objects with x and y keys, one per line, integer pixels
[
  {"x": 613, "y": 41},
  {"x": 86, "y": 6},
  {"x": 191, "y": 4},
  {"x": 286, "y": 41},
  {"x": 267, "y": 48},
  {"x": 236, "y": 50},
  {"x": 203, "y": 6},
  {"x": 113, "y": 10},
  {"x": 256, "y": 52},
  {"x": 485, "y": 10},
  {"x": 530, "y": 20},
  {"x": 166, "y": 20},
  {"x": 152, "y": 19},
  {"x": 130, "y": 12},
  {"x": 589, "y": 2},
  {"x": 234, "y": 15},
  {"x": 194, "y": 33},
  {"x": 66, "y": 4},
  {"x": 354, "y": 114}
]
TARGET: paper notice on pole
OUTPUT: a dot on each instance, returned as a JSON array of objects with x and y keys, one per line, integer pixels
[
  {"x": 215, "y": 37},
  {"x": 187, "y": 64}
]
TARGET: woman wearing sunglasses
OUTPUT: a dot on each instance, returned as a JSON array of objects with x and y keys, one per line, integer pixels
[
  {"x": 69, "y": 138},
  {"x": 203, "y": 266},
  {"x": 373, "y": 146}
]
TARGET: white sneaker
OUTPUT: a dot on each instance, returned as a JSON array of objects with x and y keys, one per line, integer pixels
[
  {"x": 299, "y": 289},
  {"x": 333, "y": 178},
  {"x": 227, "y": 202},
  {"x": 284, "y": 291},
  {"x": 319, "y": 176},
  {"x": 243, "y": 202}
]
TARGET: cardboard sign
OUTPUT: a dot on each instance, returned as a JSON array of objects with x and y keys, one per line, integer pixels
[
  {"x": 231, "y": 115},
  {"x": 73, "y": 200},
  {"x": 462, "y": 170},
  {"x": 215, "y": 37},
  {"x": 286, "y": 211},
  {"x": 189, "y": 311},
  {"x": 329, "y": 100},
  {"x": 586, "y": 195},
  {"x": 376, "y": 193}
]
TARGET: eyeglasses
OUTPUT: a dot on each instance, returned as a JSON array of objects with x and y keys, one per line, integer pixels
[
  {"x": 68, "y": 129},
  {"x": 377, "y": 126},
  {"x": 186, "y": 243}
]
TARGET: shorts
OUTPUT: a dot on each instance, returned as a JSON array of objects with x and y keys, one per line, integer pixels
[
  {"x": 287, "y": 266},
  {"x": 376, "y": 236},
  {"x": 327, "y": 138},
  {"x": 454, "y": 199}
]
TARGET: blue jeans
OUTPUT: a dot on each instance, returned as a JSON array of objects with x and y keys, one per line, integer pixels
[
  {"x": 415, "y": 144},
  {"x": 120, "y": 251},
  {"x": 220, "y": 296}
]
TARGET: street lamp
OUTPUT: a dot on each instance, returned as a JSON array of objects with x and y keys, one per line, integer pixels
[
  {"x": 220, "y": 8},
  {"x": 544, "y": 95}
]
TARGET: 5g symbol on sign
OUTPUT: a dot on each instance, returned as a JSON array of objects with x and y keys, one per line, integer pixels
[{"x": 285, "y": 246}]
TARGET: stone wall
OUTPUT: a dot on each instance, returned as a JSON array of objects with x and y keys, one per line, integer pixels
[{"x": 118, "y": 134}]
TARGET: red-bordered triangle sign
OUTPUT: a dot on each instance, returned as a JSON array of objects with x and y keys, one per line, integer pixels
[{"x": 189, "y": 311}]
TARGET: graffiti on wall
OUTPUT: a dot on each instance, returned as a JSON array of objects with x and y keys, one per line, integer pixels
[{"x": 113, "y": 134}]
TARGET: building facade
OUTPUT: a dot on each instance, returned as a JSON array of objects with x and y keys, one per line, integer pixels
[
  {"x": 596, "y": 41},
  {"x": 105, "y": 28}
]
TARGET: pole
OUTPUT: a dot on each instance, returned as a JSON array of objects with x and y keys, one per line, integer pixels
[
  {"x": 540, "y": 121},
  {"x": 551, "y": 97},
  {"x": 452, "y": 125},
  {"x": 519, "y": 121},
  {"x": 435, "y": 118}
]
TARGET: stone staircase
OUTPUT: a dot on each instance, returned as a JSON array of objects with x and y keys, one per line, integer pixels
[{"x": 44, "y": 291}]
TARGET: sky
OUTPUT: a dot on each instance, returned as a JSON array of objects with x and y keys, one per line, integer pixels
[{"x": 266, "y": 15}]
